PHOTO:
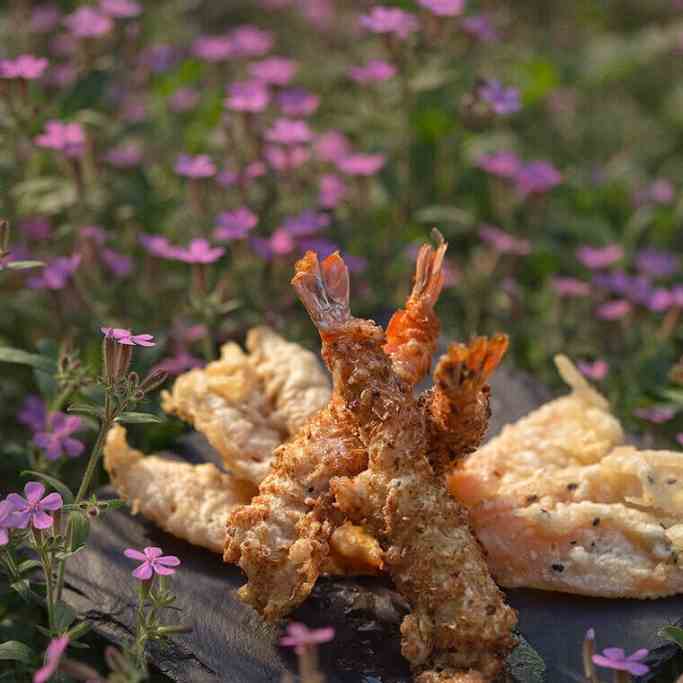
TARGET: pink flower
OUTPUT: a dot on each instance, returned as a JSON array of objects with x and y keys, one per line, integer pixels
[
  {"x": 27, "y": 67},
  {"x": 479, "y": 27},
  {"x": 53, "y": 654},
  {"x": 87, "y": 22},
  {"x": 153, "y": 562},
  {"x": 613, "y": 310},
  {"x": 183, "y": 99},
  {"x": 120, "y": 9},
  {"x": 615, "y": 658},
  {"x": 655, "y": 414},
  {"x": 33, "y": 413},
  {"x": 503, "y": 242},
  {"x": 34, "y": 508},
  {"x": 275, "y": 70},
  {"x": 375, "y": 71},
  {"x": 199, "y": 166},
  {"x": 158, "y": 245},
  {"x": 199, "y": 251},
  {"x": 599, "y": 257},
  {"x": 235, "y": 225},
  {"x": 6, "y": 522},
  {"x": 213, "y": 48},
  {"x": 443, "y": 8},
  {"x": 56, "y": 274},
  {"x": 252, "y": 96},
  {"x": 305, "y": 223},
  {"x": 44, "y": 18},
  {"x": 286, "y": 158},
  {"x": 36, "y": 227},
  {"x": 301, "y": 637},
  {"x": 66, "y": 137},
  {"x": 182, "y": 361},
  {"x": 57, "y": 440},
  {"x": 120, "y": 265},
  {"x": 281, "y": 242},
  {"x": 502, "y": 164},
  {"x": 501, "y": 100},
  {"x": 389, "y": 20},
  {"x": 537, "y": 177},
  {"x": 361, "y": 164},
  {"x": 126, "y": 156},
  {"x": 289, "y": 132},
  {"x": 250, "y": 41},
  {"x": 123, "y": 336},
  {"x": 597, "y": 370},
  {"x": 679, "y": 438},
  {"x": 297, "y": 102},
  {"x": 332, "y": 190},
  {"x": 332, "y": 146},
  {"x": 569, "y": 286}
]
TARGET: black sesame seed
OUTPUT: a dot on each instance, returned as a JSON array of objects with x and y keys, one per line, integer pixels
[
  {"x": 531, "y": 499},
  {"x": 557, "y": 567},
  {"x": 596, "y": 521},
  {"x": 573, "y": 486}
]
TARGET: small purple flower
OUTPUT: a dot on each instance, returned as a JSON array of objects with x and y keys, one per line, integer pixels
[
  {"x": 57, "y": 440},
  {"x": 199, "y": 166},
  {"x": 33, "y": 413},
  {"x": 160, "y": 57},
  {"x": 274, "y": 70},
  {"x": 677, "y": 296},
  {"x": 297, "y": 102},
  {"x": 95, "y": 233},
  {"x": 250, "y": 41},
  {"x": 53, "y": 653},
  {"x": 374, "y": 71},
  {"x": 656, "y": 262},
  {"x": 287, "y": 158},
  {"x": 26, "y": 67},
  {"x": 597, "y": 370},
  {"x": 661, "y": 191},
  {"x": 655, "y": 414},
  {"x": 153, "y": 562},
  {"x": 679, "y": 438},
  {"x": 479, "y": 27},
  {"x": 213, "y": 49},
  {"x": 158, "y": 245},
  {"x": 120, "y": 9},
  {"x": 6, "y": 522},
  {"x": 181, "y": 362},
  {"x": 125, "y": 156},
  {"x": 391, "y": 20},
  {"x": 361, "y": 164},
  {"x": 44, "y": 18},
  {"x": 613, "y": 310},
  {"x": 443, "y": 8},
  {"x": 87, "y": 22},
  {"x": 289, "y": 132},
  {"x": 65, "y": 137},
  {"x": 300, "y": 637},
  {"x": 596, "y": 258},
  {"x": 332, "y": 146},
  {"x": 615, "y": 658},
  {"x": 503, "y": 242},
  {"x": 35, "y": 227},
  {"x": 56, "y": 273},
  {"x": 200, "y": 251},
  {"x": 537, "y": 177},
  {"x": 502, "y": 100},
  {"x": 235, "y": 225},
  {"x": 501, "y": 164},
  {"x": 251, "y": 96},
  {"x": 34, "y": 508},
  {"x": 332, "y": 190},
  {"x": 306, "y": 223},
  {"x": 570, "y": 287},
  {"x": 183, "y": 99},
  {"x": 119, "y": 264},
  {"x": 123, "y": 336},
  {"x": 660, "y": 300}
]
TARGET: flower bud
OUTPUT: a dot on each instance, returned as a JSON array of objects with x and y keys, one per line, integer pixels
[{"x": 153, "y": 380}]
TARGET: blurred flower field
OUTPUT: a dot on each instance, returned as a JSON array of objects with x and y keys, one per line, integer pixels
[{"x": 163, "y": 165}]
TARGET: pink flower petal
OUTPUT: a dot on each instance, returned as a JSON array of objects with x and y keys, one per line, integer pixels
[
  {"x": 143, "y": 572},
  {"x": 34, "y": 491},
  {"x": 20, "y": 518},
  {"x": 152, "y": 552},
  {"x": 614, "y": 652},
  {"x": 163, "y": 571},
  {"x": 4, "y": 536},
  {"x": 168, "y": 560},
  {"x": 53, "y": 501},
  {"x": 41, "y": 520},
  {"x": 135, "y": 554},
  {"x": 17, "y": 501},
  {"x": 638, "y": 655},
  {"x": 636, "y": 668},
  {"x": 607, "y": 663}
]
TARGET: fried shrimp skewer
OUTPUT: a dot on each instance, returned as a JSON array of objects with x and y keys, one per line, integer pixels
[
  {"x": 457, "y": 406},
  {"x": 459, "y": 621}
]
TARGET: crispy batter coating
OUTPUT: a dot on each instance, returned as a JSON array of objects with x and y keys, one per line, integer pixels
[
  {"x": 459, "y": 621},
  {"x": 560, "y": 504},
  {"x": 248, "y": 404},
  {"x": 191, "y": 502}
]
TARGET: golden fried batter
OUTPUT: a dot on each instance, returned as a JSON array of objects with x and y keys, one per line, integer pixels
[
  {"x": 559, "y": 504},
  {"x": 191, "y": 502},
  {"x": 247, "y": 405}
]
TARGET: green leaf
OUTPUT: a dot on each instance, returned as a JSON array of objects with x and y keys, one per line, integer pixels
[
  {"x": 28, "y": 565},
  {"x": 675, "y": 395},
  {"x": 57, "y": 485},
  {"x": 86, "y": 409},
  {"x": 78, "y": 631},
  {"x": 24, "y": 265},
  {"x": 80, "y": 526},
  {"x": 10, "y": 355},
  {"x": 673, "y": 633},
  {"x": 64, "y": 616},
  {"x": 64, "y": 555},
  {"x": 23, "y": 587},
  {"x": 138, "y": 418},
  {"x": 13, "y": 650}
]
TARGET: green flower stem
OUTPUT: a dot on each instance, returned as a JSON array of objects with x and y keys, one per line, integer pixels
[
  {"x": 46, "y": 562},
  {"x": 141, "y": 623},
  {"x": 10, "y": 563}
]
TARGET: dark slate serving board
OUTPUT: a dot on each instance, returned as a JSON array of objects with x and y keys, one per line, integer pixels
[{"x": 229, "y": 641}]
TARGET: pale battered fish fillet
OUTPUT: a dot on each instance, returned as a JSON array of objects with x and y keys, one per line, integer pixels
[
  {"x": 559, "y": 503},
  {"x": 191, "y": 502},
  {"x": 248, "y": 404}
]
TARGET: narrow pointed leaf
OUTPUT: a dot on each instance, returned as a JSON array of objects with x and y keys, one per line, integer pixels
[
  {"x": 10, "y": 355},
  {"x": 57, "y": 485}
]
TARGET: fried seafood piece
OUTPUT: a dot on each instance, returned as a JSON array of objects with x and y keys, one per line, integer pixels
[
  {"x": 248, "y": 404},
  {"x": 191, "y": 502},
  {"x": 560, "y": 504},
  {"x": 459, "y": 622},
  {"x": 457, "y": 406},
  {"x": 292, "y": 531}
]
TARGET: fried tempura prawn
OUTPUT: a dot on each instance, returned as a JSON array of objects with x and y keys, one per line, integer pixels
[
  {"x": 247, "y": 405},
  {"x": 459, "y": 621},
  {"x": 191, "y": 502}
]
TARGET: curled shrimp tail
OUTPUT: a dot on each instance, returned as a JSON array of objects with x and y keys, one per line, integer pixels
[
  {"x": 324, "y": 290},
  {"x": 429, "y": 275}
]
